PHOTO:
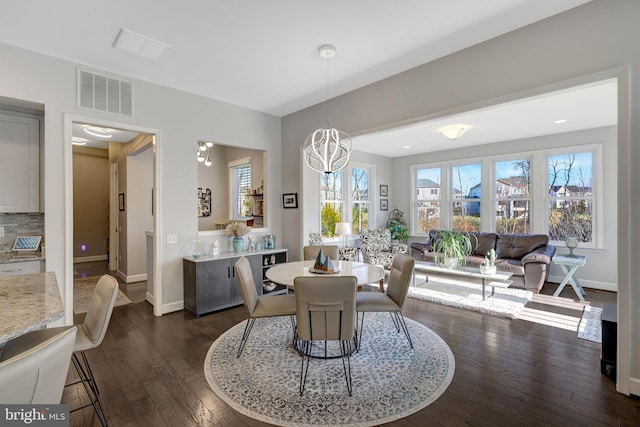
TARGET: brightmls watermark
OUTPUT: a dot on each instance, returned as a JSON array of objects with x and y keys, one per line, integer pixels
[{"x": 34, "y": 415}]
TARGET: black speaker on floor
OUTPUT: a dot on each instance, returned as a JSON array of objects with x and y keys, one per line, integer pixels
[{"x": 609, "y": 339}]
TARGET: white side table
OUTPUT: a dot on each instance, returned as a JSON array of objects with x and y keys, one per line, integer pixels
[{"x": 569, "y": 266}]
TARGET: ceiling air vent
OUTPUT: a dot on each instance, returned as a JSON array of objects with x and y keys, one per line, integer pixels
[{"x": 104, "y": 93}]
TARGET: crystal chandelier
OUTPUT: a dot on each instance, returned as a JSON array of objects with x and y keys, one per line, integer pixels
[{"x": 327, "y": 150}]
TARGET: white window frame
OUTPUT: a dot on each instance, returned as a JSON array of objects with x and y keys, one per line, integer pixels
[
  {"x": 538, "y": 195},
  {"x": 233, "y": 190},
  {"x": 347, "y": 202}
]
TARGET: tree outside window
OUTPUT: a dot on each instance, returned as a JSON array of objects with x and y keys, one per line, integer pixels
[
  {"x": 360, "y": 203},
  {"x": 466, "y": 197},
  {"x": 332, "y": 202},
  {"x": 570, "y": 196},
  {"x": 513, "y": 200},
  {"x": 428, "y": 199}
]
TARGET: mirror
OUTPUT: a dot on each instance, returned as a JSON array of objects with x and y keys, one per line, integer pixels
[{"x": 215, "y": 207}]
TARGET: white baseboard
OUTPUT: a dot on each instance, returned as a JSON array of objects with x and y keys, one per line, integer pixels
[
  {"x": 174, "y": 306},
  {"x": 634, "y": 386},
  {"x": 131, "y": 279},
  {"x": 80, "y": 260},
  {"x": 603, "y": 286}
]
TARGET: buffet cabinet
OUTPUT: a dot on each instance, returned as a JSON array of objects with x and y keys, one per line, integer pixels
[{"x": 210, "y": 283}]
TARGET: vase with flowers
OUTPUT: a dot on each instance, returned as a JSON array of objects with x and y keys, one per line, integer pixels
[{"x": 237, "y": 230}]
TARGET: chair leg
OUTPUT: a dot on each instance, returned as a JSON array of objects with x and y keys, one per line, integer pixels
[
  {"x": 306, "y": 354},
  {"x": 91, "y": 387},
  {"x": 245, "y": 335},
  {"x": 400, "y": 319},
  {"x": 359, "y": 335},
  {"x": 345, "y": 347}
]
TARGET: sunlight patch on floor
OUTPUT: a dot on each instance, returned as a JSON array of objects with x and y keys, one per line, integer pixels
[{"x": 548, "y": 318}]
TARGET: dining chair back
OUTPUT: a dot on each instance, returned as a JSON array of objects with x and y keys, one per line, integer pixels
[
  {"x": 393, "y": 299},
  {"x": 311, "y": 252},
  {"x": 260, "y": 306},
  {"x": 325, "y": 311},
  {"x": 36, "y": 375}
]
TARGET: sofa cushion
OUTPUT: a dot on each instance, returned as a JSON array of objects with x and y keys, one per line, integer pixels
[
  {"x": 482, "y": 243},
  {"x": 516, "y": 246}
]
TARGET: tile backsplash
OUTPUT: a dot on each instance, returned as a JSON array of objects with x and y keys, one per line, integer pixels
[{"x": 19, "y": 224}]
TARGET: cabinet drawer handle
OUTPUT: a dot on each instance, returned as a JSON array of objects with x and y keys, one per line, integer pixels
[{"x": 12, "y": 270}]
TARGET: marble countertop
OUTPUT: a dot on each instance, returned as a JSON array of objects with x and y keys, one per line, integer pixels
[
  {"x": 226, "y": 255},
  {"x": 9, "y": 257},
  {"x": 28, "y": 302}
]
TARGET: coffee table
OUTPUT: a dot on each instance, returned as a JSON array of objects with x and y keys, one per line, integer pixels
[{"x": 500, "y": 279}]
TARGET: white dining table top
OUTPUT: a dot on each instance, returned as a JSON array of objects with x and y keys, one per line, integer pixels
[{"x": 285, "y": 273}]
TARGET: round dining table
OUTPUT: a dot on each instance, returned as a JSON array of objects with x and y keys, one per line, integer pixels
[{"x": 285, "y": 273}]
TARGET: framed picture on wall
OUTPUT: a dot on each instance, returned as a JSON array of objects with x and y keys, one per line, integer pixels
[
  {"x": 290, "y": 200},
  {"x": 384, "y": 190},
  {"x": 384, "y": 204}
]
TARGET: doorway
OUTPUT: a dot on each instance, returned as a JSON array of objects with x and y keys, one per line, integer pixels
[{"x": 113, "y": 206}]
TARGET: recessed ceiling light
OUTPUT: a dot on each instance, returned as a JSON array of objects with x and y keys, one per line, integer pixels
[
  {"x": 76, "y": 140},
  {"x": 559, "y": 122},
  {"x": 406, "y": 146},
  {"x": 98, "y": 132}
]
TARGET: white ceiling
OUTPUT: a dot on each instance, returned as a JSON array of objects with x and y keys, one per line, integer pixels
[
  {"x": 263, "y": 54},
  {"x": 582, "y": 107}
]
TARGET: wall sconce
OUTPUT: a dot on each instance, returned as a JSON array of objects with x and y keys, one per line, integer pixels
[{"x": 453, "y": 132}]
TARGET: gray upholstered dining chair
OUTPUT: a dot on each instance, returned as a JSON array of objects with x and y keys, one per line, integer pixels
[
  {"x": 89, "y": 336},
  {"x": 393, "y": 299},
  {"x": 311, "y": 252},
  {"x": 36, "y": 375},
  {"x": 260, "y": 306},
  {"x": 325, "y": 311}
]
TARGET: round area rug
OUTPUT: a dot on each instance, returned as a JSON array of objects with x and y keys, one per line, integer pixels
[{"x": 390, "y": 380}]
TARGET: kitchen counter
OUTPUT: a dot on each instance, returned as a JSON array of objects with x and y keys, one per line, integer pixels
[{"x": 28, "y": 302}]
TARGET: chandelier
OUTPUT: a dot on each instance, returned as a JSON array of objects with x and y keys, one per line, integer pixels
[
  {"x": 327, "y": 150},
  {"x": 202, "y": 147}
]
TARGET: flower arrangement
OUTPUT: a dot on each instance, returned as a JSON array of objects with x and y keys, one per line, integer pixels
[{"x": 236, "y": 229}]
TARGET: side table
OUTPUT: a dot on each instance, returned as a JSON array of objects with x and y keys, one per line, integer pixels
[{"x": 569, "y": 265}]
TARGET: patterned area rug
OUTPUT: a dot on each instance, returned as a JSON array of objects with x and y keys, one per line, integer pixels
[
  {"x": 507, "y": 302},
  {"x": 590, "y": 327},
  {"x": 83, "y": 290},
  {"x": 390, "y": 380}
]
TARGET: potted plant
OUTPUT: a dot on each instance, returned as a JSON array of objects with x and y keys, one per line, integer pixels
[
  {"x": 398, "y": 226},
  {"x": 453, "y": 247},
  {"x": 489, "y": 264}
]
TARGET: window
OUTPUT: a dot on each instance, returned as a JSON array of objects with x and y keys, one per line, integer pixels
[
  {"x": 513, "y": 200},
  {"x": 465, "y": 200},
  {"x": 360, "y": 202},
  {"x": 428, "y": 199},
  {"x": 239, "y": 188},
  {"x": 570, "y": 196},
  {"x": 332, "y": 202}
]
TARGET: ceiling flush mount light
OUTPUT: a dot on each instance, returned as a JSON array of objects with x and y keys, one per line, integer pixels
[
  {"x": 327, "y": 150},
  {"x": 561, "y": 121},
  {"x": 453, "y": 132},
  {"x": 98, "y": 132},
  {"x": 76, "y": 140}
]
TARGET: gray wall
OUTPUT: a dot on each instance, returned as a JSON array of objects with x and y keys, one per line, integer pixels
[{"x": 594, "y": 41}]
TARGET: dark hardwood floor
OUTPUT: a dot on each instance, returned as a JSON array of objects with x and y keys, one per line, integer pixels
[{"x": 508, "y": 372}]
